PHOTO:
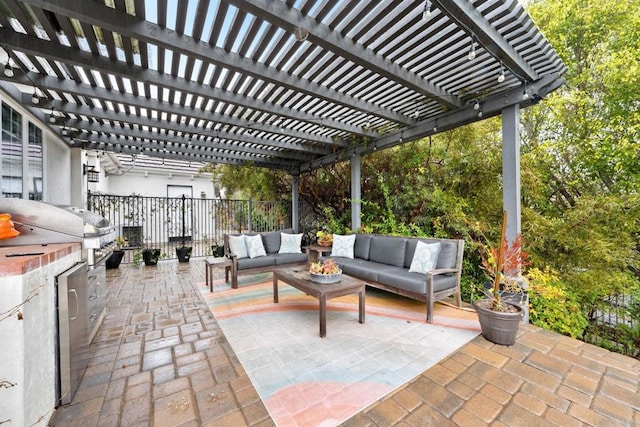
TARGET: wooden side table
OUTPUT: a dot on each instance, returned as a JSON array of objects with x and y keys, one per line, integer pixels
[
  {"x": 210, "y": 263},
  {"x": 314, "y": 252}
]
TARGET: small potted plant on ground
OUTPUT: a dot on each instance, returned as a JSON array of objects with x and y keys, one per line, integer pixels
[
  {"x": 118, "y": 253},
  {"x": 500, "y": 317}
]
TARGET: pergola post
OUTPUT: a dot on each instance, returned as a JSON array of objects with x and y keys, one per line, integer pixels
[
  {"x": 295, "y": 203},
  {"x": 511, "y": 169},
  {"x": 356, "y": 192}
]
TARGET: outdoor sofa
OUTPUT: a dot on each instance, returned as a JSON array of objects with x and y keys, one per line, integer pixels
[
  {"x": 383, "y": 262},
  {"x": 273, "y": 257}
]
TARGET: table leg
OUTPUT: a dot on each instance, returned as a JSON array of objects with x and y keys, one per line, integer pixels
[
  {"x": 206, "y": 276},
  {"x": 361, "y": 306},
  {"x": 323, "y": 316},
  {"x": 275, "y": 289}
]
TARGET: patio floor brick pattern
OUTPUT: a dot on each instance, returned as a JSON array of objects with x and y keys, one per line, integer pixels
[{"x": 160, "y": 359}]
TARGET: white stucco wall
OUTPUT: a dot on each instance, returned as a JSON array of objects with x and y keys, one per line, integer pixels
[{"x": 156, "y": 183}]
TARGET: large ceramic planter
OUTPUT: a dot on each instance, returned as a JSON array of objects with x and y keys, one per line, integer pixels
[
  {"x": 183, "y": 253},
  {"x": 497, "y": 326},
  {"x": 217, "y": 251},
  {"x": 115, "y": 259}
]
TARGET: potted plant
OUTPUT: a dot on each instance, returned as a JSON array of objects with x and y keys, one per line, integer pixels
[
  {"x": 118, "y": 253},
  {"x": 499, "y": 314},
  {"x": 324, "y": 238},
  {"x": 183, "y": 252}
]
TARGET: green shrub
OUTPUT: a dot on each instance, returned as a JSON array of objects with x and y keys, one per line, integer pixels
[{"x": 552, "y": 307}]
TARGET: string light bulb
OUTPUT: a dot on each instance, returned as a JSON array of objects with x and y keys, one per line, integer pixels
[
  {"x": 501, "y": 76},
  {"x": 476, "y": 106},
  {"x": 426, "y": 13},
  {"x": 300, "y": 33},
  {"x": 472, "y": 50},
  {"x": 8, "y": 70},
  {"x": 525, "y": 94},
  {"x": 35, "y": 98},
  {"x": 416, "y": 113}
]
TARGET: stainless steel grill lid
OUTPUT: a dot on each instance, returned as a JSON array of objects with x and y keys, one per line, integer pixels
[{"x": 42, "y": 223}]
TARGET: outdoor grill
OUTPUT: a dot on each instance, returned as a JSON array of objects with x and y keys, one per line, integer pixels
[
  {"x": 81, "y": 291},
  {"x": 41, "y": 223}
]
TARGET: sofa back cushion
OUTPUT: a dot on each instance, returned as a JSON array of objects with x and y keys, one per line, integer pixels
[
  {"x": 448, "y": 256},
  {"x": 362, "y": 246},
  {"x": 388, "y": 250},
  {"x": 271, "y": 240}
]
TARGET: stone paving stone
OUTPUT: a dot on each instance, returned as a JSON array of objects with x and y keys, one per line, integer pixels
[
  {"x": 409, "y": 401},
  {"x": 496, "y": 393},
  {"x": 483, "y": 407},
  {"x": 174, "y": 409},
  {"x": 516, "y": 415},
  {"x": 620, "y": 394},
  {"x": 154, "y": 359},
  {"x": 441, "y": 375},
  {"x": 532, "y": 374},
  {"x": 460, "y": 389},
  {"x": 427, "y": 415},
  {"x": 530, "y": 403},
  {"x": 558, "y": 418},
  {"x": 485, "y": 355},
  {"x": 466, "y": 418},
  {"x": 501, "y": 378},
  {"x": 590, "y": 417},
  {"x": 551, "y": 399},
  {"x": 574, "y": 396},
  {"x": 549, "y": 364},
  {"x": 387, "y": 412},
  {"x": 580, "y": 383},
  {"x": 613, "y": 409}
]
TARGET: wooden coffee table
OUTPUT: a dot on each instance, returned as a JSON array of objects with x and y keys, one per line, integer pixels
[{"x": 299, "y": 279}]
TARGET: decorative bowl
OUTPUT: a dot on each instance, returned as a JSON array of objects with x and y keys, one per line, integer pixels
[{"x": 326, "y": 278}]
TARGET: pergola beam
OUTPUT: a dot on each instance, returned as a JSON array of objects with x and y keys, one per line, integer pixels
[
  {"x": 289, "y": 18},
  {"x": 468, "y": 17}
]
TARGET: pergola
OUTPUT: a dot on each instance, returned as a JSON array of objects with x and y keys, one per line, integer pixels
[{"x": 288, "y": 84}]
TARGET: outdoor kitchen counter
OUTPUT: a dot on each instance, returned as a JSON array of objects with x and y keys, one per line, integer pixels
[
  {"x": 28, "y": 329},
  {"x": 42, "y": 255}
]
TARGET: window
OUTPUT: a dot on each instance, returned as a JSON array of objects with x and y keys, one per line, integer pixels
[
  {"x": 35, "y": 162},
  {"x": 19, "y": 179},
  {"x": 11, "y": 152}
]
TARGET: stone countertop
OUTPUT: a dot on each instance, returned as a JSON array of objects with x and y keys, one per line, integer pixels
[{"x": 39, "y": 256}]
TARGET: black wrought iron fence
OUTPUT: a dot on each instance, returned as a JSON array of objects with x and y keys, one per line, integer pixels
[{"x": 168, "y": 222}]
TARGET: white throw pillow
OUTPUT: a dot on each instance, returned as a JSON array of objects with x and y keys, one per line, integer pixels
[
  {"x": 343, "y": 245},
  {"x": 255, "y": 247},
  {"x": 238, "y": 246},
  {"x": 290, "y": 243},
  {"x": 425, "y": 257}
]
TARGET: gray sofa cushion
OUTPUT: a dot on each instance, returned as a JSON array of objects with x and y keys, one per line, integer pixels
[
  {"x": 263, "y": 261},
  {"x": 388, "y": 250},
  {"x": 361, "y": 247},
  {"x": 271, "y": 240},
  {"x": 448, "y": 255},
  {"x": 415, "y": 282},
  {"x": 290, "y": 258},
  {"x": 365, "y": 270},
  {"x": 446, "y": 259}
]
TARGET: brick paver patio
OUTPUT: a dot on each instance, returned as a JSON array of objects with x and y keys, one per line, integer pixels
[{"x": 160, "y": 359}]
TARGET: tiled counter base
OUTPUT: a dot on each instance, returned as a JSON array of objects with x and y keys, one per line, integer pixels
[{"x": 160, "y": 359}]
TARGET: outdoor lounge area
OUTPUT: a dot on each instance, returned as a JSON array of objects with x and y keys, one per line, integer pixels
[{"x": 161, "y": 359}]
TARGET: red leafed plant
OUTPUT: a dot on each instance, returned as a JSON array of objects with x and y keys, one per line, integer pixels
[{"x": 503, "y": 265}]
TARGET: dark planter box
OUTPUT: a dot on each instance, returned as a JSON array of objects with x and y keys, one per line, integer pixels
[
  {"x": 115, "y": 259},
  {"x": 183, "y": 253},
  {"x": 150, "y": 256}
]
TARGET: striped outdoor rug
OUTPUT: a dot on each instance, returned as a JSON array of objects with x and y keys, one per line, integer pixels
[{"x": 305, "y": 380}]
